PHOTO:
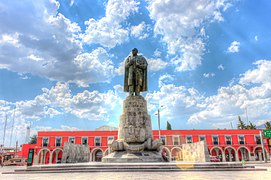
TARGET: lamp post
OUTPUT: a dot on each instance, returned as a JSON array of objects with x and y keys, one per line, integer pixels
[
  {"x": 158, "y": 118},
  {"x": 263, "y": 150},
  {"x": 159, "y": 133}
]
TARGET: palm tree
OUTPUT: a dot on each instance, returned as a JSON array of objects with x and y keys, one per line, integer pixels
[
  {"x": 33, "y": 139},
  {"x": 267, "y": 125},
  {"x": 251, "y": 126},
  {"x": 241, "y": 124},
  {"x": 168, "y": 126}
]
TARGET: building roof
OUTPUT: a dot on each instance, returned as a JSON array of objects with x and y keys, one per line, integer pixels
[{"x": 106, "y": 128}]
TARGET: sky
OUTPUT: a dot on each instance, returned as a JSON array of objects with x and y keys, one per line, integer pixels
[{"x": 61, "y": 63}]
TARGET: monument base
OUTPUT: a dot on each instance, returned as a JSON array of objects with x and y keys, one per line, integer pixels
[{"x": 125, "y": 157}]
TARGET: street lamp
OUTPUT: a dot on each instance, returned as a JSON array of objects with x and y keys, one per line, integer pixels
[
  {"x": 263, "y": 150},
  {"x": 158, "y": 118}
]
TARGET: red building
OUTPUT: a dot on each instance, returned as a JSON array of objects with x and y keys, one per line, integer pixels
[{"x": 227, "y": 145}]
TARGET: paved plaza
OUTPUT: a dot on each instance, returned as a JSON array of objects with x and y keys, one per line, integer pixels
[
  {"x": 216, "y": 175},
  {"x": 262, "y": 175}
]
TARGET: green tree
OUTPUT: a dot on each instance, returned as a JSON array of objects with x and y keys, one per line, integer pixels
[
  {"x": 168, "y": 126},
  {"x": 33, "y": 139},
  {"x": 251, "y": 126},
  {"x": 267, "y": 125},
  {"x": 241, "y": 124}
]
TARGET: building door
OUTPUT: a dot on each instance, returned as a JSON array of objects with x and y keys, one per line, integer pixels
[
  {"x": 98, "y": 156},
  {"x": 30, "y": 157}
]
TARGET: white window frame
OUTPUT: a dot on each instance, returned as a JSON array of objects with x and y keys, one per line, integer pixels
[
  {"x": 174, "y": 136},
  {"x": 95, "y": 140},
  {"x": 187, "y": 139},
  {"x": 60, "y": 141},
  {"x": 164, "y": 139},
  {"x": 82, "y": 140},
  {"x": 217, "y": 140},
  {"x": 202, "y": 136},
  {"x": 70, "y": 138},
  {"x": 239, "y": 139},
  {"x": 109, "y": 137},
  {"x": 47, "y": 141},
  {"x": 226, "y": 139}
]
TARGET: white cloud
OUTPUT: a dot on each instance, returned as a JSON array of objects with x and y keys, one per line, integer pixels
[
  {"x": 157, "y": 53},
  {"x": 71, "y": 2},
  {"x": 179, "y": 101},
  {"x": 120, "y": 69},
  {"x": 156, "y": 64},
  {"x": 256, "y": 38},
  {"x": 234, "y": 47},
  {"x": 49, "y": 45},
  {"x": 52, "y": 112},
  {"x": 108, "y": 30},
  {"x": 221, "y": 67},
  {"x": 192, "y": 54},
  {"x": 181, "y": 25},
  {"x": 95, "y": 105},
  {"x": 262, "y": 74},
  {"x": 208, "y": 75},
  {"x": 11, "y": 39},
  {"x": 231, "y": 101},
  {"x": 59, "y": 95},
  {"x": 59, "y": 100},
  {"x": 165, "y": 79},
  {"x": 93, "y": 67},
  {"x": 140, "y": 31}
]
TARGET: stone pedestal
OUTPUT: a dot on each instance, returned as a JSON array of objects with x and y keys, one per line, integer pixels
[
  {"x": 135, "y": 143},
  {"x": 135, "y": 123}
]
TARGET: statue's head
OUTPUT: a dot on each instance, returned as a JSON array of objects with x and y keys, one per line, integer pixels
[{"x": 134, "y": 51}]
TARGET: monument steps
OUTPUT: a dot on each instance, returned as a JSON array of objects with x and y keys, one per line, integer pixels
[{"x": 130, "y": 167}]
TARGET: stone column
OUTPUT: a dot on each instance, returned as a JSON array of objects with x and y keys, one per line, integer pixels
[
  {"x": 51, "y": 157},
  {"x": 230, "y": 155},
  {"x": 236, "y": 157},
  {"x": 43, "y": 157},
  {"x": 242, "y": 154},
  {"x": 36, "y": 160},
  {"x": 267, "y": 155},
  {"x": 260, "y": 156},
  {"x": 216, "y": 152},
  {"x": 223, "y": 157},
  {"x": 57, "y": 152}
]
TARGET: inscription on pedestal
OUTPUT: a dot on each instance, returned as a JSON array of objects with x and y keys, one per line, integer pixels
[{"x": 136, "y": 123}]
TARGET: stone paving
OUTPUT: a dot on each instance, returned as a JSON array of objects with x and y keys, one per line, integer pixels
[
  {"x": 202, "y": 175},
  {"x": 146, "y": 176}
]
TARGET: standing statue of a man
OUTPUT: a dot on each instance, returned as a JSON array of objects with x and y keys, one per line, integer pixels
[{"x": 135, "y": 74}]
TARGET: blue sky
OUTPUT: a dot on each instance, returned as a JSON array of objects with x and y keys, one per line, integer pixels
[{"x": 61, "y": 62}]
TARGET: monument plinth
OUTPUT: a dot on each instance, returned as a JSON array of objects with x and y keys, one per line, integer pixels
[
  {"x": 135, "y": 123},
  {"x": 135, "y": 142}
]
